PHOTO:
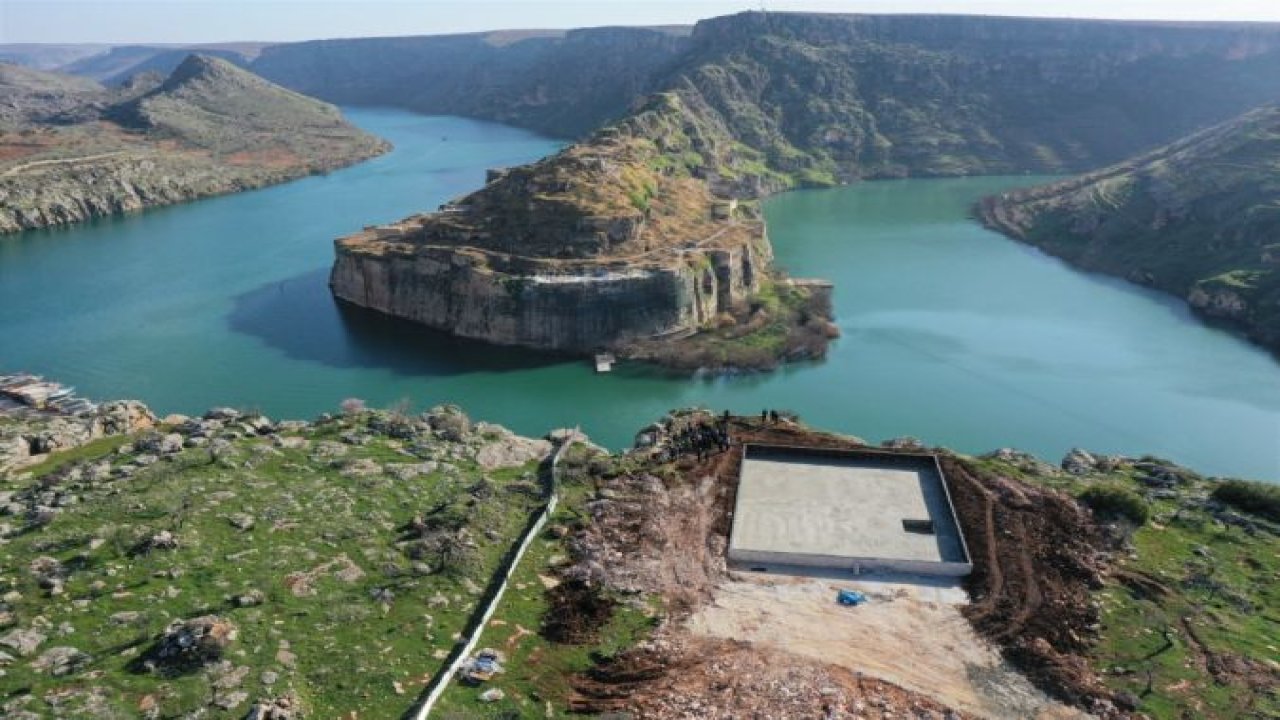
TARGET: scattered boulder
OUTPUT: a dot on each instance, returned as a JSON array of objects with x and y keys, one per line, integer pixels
[
  {"x": 123, "y": 417},
  {"x": 241, "y": 521},
  {"x": 492, "y": 695},
  {"x": 224, "y": 414},
  {"x": 163, "y": 540},
  {"x": 1024, "y": 461},
  {"x": 23, "y": 641},
  {"x": 449, "y": 422},
  {"x": 189, "y": 644},
  {"x": 252, "y": 598},
  {"x": 1079, "y": 462},
  {"x": 158, "y": 444},
  {"x": 281, "y": 708},
  {"x": 59, "y": 661}
]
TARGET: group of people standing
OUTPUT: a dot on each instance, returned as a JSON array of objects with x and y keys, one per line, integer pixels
[{"x": 704, "y": 438}]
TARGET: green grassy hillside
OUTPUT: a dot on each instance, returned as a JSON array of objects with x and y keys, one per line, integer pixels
[{"x": 332, "y": 563}]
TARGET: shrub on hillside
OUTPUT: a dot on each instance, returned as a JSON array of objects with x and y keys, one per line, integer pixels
[
  {"x": 1251, "y": 497},
  {"x": 1110, "y": 501}
]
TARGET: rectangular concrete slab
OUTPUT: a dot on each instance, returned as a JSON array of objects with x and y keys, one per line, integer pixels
[{"x": 845, "y": 509}]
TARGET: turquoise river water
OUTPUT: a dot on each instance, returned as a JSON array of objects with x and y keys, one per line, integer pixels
[{"x": 951, "y": 333}]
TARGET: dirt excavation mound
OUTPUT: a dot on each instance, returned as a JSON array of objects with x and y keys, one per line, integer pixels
[
  {"x": 721, "y": 679},
  {"x": 662, "y": 528},
  {"x": 1036, "y": 555},
  {"x": 577, "y": 613}
]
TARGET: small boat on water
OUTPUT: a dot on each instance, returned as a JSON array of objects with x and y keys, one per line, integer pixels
[{"x": 604, "y": 362}]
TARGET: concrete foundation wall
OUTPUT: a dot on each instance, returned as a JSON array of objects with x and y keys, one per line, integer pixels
[
  {"x": 846, "y": 510},
  {"x": 757, "y": 558}
]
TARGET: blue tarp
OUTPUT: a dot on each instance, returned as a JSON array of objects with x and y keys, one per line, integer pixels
[{"x": 850, "y": 597}]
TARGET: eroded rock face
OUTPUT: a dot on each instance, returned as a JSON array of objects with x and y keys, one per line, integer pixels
[{"x": 573, "y": 307}]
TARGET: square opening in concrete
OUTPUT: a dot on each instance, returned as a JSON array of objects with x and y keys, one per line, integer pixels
[{"x": 864, "y": 510}]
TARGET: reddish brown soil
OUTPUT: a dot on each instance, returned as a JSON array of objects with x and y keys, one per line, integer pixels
[
  {"x": 1037, "y": 554},
  {"x": 720, "y": 679}
]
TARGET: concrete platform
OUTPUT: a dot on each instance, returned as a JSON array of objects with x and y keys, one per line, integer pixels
[{"x": 847, "y": 510}]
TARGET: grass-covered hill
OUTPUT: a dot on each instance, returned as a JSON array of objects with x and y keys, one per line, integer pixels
[
  {"x": 1199, "y": 218},
  {"x": 71, "y": 149},
  {"x": 210, "y": 103},
  {"x": 206, "y": 566}
]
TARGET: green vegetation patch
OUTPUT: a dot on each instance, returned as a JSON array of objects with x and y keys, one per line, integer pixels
[{"x": 345, "y": 556}]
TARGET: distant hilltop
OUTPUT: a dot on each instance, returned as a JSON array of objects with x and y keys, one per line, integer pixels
[{"x": 72, "y": 149}]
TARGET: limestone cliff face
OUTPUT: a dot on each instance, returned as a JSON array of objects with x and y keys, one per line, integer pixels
[{"x": 575, "y": 307}]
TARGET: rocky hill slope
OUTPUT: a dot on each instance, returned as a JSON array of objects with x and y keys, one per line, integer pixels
[
  {"x": 1199, "y": 218},
  {"x": 564, "y": 84},
  {"x": 842, "y": 95},
  {"x": 234, "y": 566},
  {"x": 231, "y": 566},
  {"x": 71, "y": 149}
]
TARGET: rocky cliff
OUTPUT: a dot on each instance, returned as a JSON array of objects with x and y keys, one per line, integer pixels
[
  {"x": 833, "y": 97},
  {"x": 71, "y": 149},
  {"x": 564, "y": 84},
  {"x": 1198, "y": 218}
]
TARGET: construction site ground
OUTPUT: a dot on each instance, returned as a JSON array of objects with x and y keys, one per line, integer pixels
[
  {"x": 910, "y": 633},
  {"x": 644, "y": 538}
]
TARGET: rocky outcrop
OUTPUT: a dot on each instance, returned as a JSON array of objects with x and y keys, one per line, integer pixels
[
  {"x": 210, "y": 128},
  {"x": 608, "y": 242},
  {"x": 33, "y": 438}
]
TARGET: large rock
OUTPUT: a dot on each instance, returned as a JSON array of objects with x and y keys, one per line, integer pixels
[
  {"x": 59, "y": 661},
  {"x": 195, "y": 642},
  {"x": 122, "y": 417},
  {"x": 23, "y": 641},
  {"x": 508, "y": 449},
  {"x": 1079, "y": 462}
]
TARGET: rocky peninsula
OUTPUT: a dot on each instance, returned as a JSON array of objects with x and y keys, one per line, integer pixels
[
  {"x": 71, "y": 149},
  {"x": 617, "y": 243}
]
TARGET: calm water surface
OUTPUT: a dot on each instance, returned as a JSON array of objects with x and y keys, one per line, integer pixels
[{"x": 951, "y": 333}]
